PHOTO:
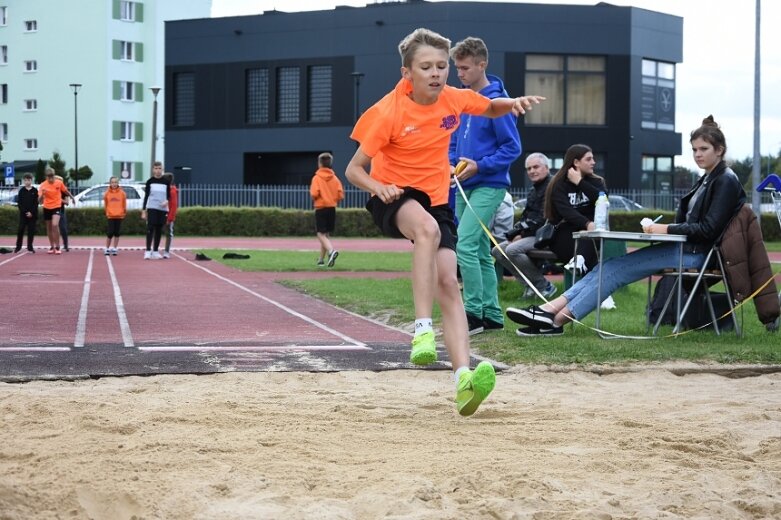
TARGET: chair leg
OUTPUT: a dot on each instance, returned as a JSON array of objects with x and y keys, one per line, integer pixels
[{"x": 728, "y": 291}]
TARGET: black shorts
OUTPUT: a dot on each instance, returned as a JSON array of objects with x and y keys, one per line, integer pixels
[
  {"x": 156, "y": 217},
  {"x": 114, "y": 225},
  {"x": 49, "y": 213},
  {"x": 384, "y": 216},
  {"x": 325, "y": 220}
]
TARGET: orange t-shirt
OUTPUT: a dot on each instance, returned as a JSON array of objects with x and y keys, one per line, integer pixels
[
  {"x": 52, "y": 193},
  {"x": 115, "y": 202},
  {"x": 408, "y": 142}
]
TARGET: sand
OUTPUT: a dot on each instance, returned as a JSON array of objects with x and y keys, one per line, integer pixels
[{"x": 389, "y": 445}]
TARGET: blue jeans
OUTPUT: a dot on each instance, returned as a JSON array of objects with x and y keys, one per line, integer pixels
[{"x": 623, "y": 270}]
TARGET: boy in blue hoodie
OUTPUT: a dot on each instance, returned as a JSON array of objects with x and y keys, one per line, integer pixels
[{"x": 488, "y": 147}]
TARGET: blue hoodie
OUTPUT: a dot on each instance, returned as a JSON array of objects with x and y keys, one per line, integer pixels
[{"x": 493, "y": 143}]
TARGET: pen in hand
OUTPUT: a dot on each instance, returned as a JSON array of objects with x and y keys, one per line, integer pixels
[{"x": 657, "y": 219}]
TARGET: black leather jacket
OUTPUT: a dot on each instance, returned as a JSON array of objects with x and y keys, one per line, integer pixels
[
  {"x": 533, "y": 216},
  {"x": 712, "y": 210}
]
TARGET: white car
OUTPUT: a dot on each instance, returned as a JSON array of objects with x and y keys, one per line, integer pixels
[{"x": 93, "y": 197}]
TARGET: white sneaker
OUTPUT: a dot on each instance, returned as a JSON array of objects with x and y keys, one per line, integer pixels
[
  {"x": 114, "y": 251},
  {"x": 147, "y": 255},
  {"x": 155, "y": 256},
  {"x": 166, "y": 254},
  {"x": 107, "y": 251}
]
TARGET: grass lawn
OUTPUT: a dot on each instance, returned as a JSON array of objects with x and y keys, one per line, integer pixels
[{"x": 393, "y": 298}]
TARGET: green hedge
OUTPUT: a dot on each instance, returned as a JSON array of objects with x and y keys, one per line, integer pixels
[{"x": 259, "y": 222}]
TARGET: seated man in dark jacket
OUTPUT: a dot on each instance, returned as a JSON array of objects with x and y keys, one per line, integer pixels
[{"x": 521, "y": 238}]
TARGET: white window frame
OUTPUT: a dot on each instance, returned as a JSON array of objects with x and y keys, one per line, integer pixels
[
  {"x": 31, "y": 66},
  {"x": 30, "y": 26},
  {"x": 30, "y": 144},
  {"x": 3, "y": 16},
  {"x": 127, "y": 87},
  {"x": 3, "y": 54},
  {"x": 128, "y": 131},
  {"x": 127, "y": 51},
  {"x": 127, "y": 11},
  {"x": 30, "y": 105},
  {"x": 4, "y": 132}
]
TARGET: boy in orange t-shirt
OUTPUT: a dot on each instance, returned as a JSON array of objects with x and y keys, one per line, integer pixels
[
  {"x": 404, "y": 138},
  {"x": 115, "y": 202},
  {"x": 50, "y": 194},
  {"x": 326, "y": 191}
]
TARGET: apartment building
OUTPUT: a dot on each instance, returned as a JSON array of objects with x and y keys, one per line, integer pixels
[{"x": 114, "y": 50}]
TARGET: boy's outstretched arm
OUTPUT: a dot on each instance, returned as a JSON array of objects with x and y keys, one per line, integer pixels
[
  {"x": 518, "y": 106},
  {"x": 358, "y": 174}
]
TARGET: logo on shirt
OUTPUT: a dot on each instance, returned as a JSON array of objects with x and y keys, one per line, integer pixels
[
  {"x": 449, "y": 122},
  {"x": 573, "y": 199},
  {"x": 409, "y": 129}
]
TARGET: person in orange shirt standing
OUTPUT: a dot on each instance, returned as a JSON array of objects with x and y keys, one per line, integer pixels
[
  {"x": 173, "y": 205},
  {"x": 404, "y": 139},
  {"x": 115, "y": 202},
  {"x": 326, "y": 191},
  {"x": 50, "y": 194}
]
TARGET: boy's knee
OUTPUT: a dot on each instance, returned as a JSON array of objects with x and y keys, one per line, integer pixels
[{"x": 428, "y": 231}]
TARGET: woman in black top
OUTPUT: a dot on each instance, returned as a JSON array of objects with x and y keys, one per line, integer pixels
[{"x": 570, "y": 201}]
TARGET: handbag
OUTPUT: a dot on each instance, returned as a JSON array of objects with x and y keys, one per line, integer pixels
[{"x": 544, "y": 236}]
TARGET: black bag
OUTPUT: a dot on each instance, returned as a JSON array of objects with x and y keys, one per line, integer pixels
[
  {"x": 698, "y": 313},
  {"x": 544, "y": 236}
]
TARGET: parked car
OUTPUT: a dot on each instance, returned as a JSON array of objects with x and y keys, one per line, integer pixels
[
  {"x": 8, "y": 196},
  {"x": 617, "y": 203},
  {"x": 93, "y": 197}
]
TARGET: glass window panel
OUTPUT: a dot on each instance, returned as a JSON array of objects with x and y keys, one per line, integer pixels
[
  {"x": 184, "y": 99},
  {"x": 552, "y": 87},
  {"x": 319, "y": 98},
  {"x": 585, "y": 99},
  {"x": 586, "y": 63},
  {"x": 544, "y": 62},
  {"x": 666, "y": 70},
  {"x": 649, "y": 68},
  {"x": 288, "y": 94},
  {"x": 257, "y": 96},
  {"x": 664, "y": 164},
  {"x": 649, "y": 163}
]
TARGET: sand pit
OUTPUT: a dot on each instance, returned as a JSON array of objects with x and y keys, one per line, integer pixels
[{"x": 389, "y": 445}]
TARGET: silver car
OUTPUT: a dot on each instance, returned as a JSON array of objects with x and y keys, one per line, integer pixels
[{"x": 93, "y": 197}]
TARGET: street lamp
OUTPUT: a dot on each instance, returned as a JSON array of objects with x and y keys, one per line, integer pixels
[
  {"x": 75, "y": 87},
  {"x": 357, "y": 76},
  {"x": 155, "y": 91}
]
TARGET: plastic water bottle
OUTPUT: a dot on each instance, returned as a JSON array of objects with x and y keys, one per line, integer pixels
[{"x": 601, "y": 213}]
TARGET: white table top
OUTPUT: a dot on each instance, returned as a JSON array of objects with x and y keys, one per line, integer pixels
[{"x": 630, "y": 236}]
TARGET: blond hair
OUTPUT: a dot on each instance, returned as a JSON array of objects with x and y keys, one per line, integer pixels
[
  {"x": 419, "y": 38},
  {"x": 470, "y": 47}
]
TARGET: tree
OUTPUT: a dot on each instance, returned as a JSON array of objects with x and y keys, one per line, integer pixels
[
  {"x": 40, "y": 171},
  {"x": 58, "y": 164},
  {"x": 683, "y": 178},
  {"x": 84, "y": 173}
]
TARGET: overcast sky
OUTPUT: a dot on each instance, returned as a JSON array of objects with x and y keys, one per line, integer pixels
[{"x": 716, "y": 76}]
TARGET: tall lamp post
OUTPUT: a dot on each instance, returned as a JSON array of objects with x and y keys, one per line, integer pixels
[
  {"x": 155, "y": 91},
  {"x": 357, "y": 77},
  {"x": 75, "y": 87}
]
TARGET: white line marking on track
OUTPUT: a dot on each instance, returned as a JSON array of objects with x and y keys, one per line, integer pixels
[
  {"x": 277, "y": 304},
  {"x": 35, "y": 349},
  {"x": 81, "y": 325},
  {"x": 124, "y": 326},
  {"x": 253, "y": 348},
  {"x": 12, "y": 258}
]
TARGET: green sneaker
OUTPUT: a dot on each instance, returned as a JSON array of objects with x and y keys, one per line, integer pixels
[
  {"x": 474, "y": 387},
  {"x": 424, "y": 349}
]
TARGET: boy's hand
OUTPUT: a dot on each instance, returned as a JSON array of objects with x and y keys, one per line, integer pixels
[
  {"x": 143, "y": 214},
  {"x": 28, "y": 215},
  {"x": 524, "y": 103},
  {"x": 465, "y": 169},
  {"x": 388, "y": 193}
]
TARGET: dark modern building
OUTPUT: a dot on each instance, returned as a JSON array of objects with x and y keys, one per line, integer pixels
[{"x": 255, "y": 99}]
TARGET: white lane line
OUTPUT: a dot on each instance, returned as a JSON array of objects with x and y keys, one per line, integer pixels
[
  {"x": 35, "y": 349},
  {"x": 285, "y": 308},
  {"x": 81, "y": 325},
  {"x": 17, "y": 255},
  {"x": 254, "y": 348},
  {"x": 124, "y": 326}
]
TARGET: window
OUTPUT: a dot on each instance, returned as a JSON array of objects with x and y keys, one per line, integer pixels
[
  {"x": 30, "y": 105},
  {"x": 657, "y": 96},
  {"x": 127, "y": 131},
  {"x": 4, "y": 132},
  {"x": 184, "y": 99},
  {"x": 574, "y": 85},
  {"x": 3, "y": 16},
  {"x": 3, "y": 54},
  {"x": 127, "y": 91},
  {"x": 30, "y": 66},
  {"x": 319, "y": 94},
  {"x": 257, "y": 96},
  {"x": 3, "y": 93},
  {"x": 127, "y": 11},
  {"x": 126, "y": 52},
  {"x": 30, "y": 26},
  {"x": 31, "y": 144},
  {"x": 657, "y": 174},
  {"x": 288, "y": 88}
]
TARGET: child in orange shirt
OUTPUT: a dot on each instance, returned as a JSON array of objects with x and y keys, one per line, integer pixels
[
  {"x": 173, "y": 207},
  {"x": 115, "y": 202},
  {"x": 405, "y": 137},
  {"x": 50, "y": 193},
  {"x": 326, "y": 191}
]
